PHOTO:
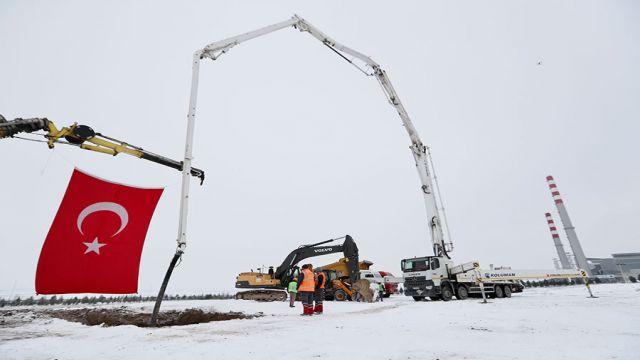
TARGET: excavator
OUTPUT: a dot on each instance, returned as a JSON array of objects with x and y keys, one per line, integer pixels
[
  {"x": 84, "y": 137},
  {"x": 270, "y": 286}
]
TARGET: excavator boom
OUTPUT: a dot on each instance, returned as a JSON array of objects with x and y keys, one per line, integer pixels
[
  {"x": 348, "y": 248},
  {"x": 86, "y": 138}
]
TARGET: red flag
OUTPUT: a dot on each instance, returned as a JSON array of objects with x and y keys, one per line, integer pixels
[{"x": 95, "y": 242}]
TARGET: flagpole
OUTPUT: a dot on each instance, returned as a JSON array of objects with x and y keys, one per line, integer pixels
[{"x": 186, "y": 172}]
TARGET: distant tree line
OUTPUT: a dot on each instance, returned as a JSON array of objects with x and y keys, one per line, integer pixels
[
  {"x": 551, "y": 282},
  {"x": 59, "y": 300},
  {"x": 566, "y": 282}
]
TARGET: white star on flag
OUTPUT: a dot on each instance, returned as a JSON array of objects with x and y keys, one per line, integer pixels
[{"x": 93, "y": 246}]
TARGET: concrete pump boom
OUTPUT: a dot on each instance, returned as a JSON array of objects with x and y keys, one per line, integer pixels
[{"x": 371, "y": 68}]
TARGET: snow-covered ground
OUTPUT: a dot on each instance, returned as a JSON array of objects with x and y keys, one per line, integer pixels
[{"x": 541, "y": 323}]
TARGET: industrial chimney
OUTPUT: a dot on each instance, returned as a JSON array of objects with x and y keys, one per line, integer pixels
[
  {"x": 568, "y": 227},
  {"x": 562, "y": 256}
]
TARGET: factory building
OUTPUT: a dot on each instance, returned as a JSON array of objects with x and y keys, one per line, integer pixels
[
  {"x": 620, "y": 265},
  {"x": 629, "y": 263}
]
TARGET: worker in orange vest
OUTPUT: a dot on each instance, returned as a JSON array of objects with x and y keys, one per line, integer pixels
[
  {"x": 306, "y": 288},
  {"x": 319, "y": 296}
]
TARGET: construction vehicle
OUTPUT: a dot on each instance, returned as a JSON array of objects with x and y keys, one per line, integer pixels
[
  {"x": 86, "y": 138},
  {"x": 432, "y": 277},
  {"x": 385, "y": 278},
  {"x": 340, "y": 280},
  {"x": 428, "y": 277},
  {"x": 390, "y": 287},
  {"x": 441, "y": 261},
  {"x": 270, "y": 286}
]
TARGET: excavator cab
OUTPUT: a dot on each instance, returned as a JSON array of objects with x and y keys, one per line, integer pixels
[{"x": 292, "y": 273}]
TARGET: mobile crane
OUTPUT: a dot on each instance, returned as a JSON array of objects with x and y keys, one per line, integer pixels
[
  {"x": 270, "y": 286},
  {"x": 438, "y": 276},
  {"x": 370, "y": 68},
  {"x": 86, "y": 138}
]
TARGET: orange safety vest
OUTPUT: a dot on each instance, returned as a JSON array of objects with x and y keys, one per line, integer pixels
[
  {"x": 308, "y": 282},
  {"x": 321, "y": 279}
]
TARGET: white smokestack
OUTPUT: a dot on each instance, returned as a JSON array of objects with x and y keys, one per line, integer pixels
[
  {"x": 562, "y": 256},
  {"x": 581, "y": 259}
]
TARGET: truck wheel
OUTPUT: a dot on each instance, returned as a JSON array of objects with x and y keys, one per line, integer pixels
[
  {"x": 507, "y": 291},
  {"x": 418, "y": 298},
  {"x": 498, "y": 291},
  {"x": 447, "y": 293},
  {"x": 340, "y": 295},
  {"x": 462, "y": 293}
]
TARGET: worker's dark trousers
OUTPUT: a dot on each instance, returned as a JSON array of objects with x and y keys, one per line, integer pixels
[
  {"x": 319, "y": 297},
  {"x": 307, "y": 302},
  {"x": 292, "y": 298}
]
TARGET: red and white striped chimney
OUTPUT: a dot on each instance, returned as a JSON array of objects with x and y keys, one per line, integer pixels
[
  {"x": 554, "y": 190},
  {"x": 562, "y": 255},
  {"x": 581, "y": 259}
]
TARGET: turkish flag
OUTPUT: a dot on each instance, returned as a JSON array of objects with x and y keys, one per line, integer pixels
[{"x": 95, "y": 242}]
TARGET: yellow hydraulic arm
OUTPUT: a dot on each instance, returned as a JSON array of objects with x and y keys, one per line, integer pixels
[{"x": 85, "y": 138}]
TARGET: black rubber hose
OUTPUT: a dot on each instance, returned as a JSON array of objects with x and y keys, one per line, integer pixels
[{"x": 154, "y": 316}]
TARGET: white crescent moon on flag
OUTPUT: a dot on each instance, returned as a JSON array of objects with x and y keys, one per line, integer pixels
[{"x": 105, "y": 206}]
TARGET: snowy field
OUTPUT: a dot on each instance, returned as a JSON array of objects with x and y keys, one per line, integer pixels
[{"x": 541, "y": 323}]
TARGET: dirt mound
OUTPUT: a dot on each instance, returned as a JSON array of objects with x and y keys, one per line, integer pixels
[
  {"x": 362, "y": 287},
  {"x": 125, "y": 316}
]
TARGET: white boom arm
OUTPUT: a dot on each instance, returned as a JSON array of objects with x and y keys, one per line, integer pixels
[
  {"x": 508, "y": 274},
  {"x": 488, "y": 275},
  {"x": 482, "y": 276},
  {"x": 371, "y": 68},
  {"x": 514, "y": 274}
]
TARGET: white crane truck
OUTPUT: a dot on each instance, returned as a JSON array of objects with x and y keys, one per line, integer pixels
[
  {"x": 436, "y": 278},
  {"x": 433, "y": 276}
]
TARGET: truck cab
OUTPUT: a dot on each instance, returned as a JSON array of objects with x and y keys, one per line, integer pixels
[
  {"x": 424, "y": 276},
  {"x": 372, "y": 276},
  {"x": 437, "y": 278}
]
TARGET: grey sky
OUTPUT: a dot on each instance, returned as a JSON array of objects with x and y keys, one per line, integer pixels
[{"x": 299, "y": 146}]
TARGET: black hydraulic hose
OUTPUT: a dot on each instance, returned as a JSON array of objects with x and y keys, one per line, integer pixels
[{"x": 154, "y": 316}]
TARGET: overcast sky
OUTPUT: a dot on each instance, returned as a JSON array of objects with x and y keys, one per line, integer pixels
[{"x": 300, "y": 147}]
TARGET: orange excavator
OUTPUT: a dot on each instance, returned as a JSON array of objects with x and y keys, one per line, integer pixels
[{"x": 339, "y": 282}]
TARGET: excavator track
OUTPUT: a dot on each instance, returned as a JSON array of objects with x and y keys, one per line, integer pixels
[{"x": 262, "y": 295}]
